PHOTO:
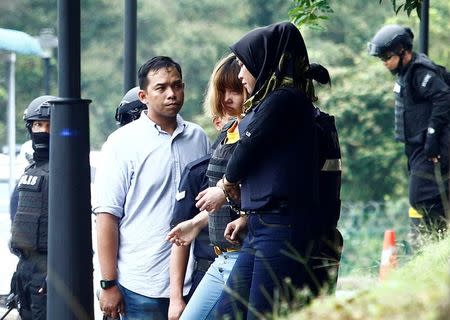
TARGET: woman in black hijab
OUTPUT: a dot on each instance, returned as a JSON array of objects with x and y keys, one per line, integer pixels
[{"x": 275, "y": 168}]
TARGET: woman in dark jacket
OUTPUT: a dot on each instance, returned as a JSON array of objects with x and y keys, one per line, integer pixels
[{"x": 275, "y": 168}]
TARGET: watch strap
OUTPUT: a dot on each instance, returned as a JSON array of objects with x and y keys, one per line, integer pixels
[{"x": 106, "y": 284}]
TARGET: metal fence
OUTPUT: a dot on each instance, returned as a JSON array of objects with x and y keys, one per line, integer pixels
[{"x": 362, "y": 225}]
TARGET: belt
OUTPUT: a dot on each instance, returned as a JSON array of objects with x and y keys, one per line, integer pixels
[
  {"x": 202, "y": 265},
  {"x": 273, "y": 211},
  {"x": 274, "y": 207},
  {"x": 218, "y": 250}
]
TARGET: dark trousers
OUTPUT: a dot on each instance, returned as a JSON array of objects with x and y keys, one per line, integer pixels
[
  {"x": 30, "y": 278},
  {"x": 432, "y": 224},
  {"x": 275, "y": 261}
]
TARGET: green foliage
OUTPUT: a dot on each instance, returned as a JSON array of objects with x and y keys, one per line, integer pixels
[
  {"x": 198, "y": 32},
  {"x": 266, "y": 12},
  {"x": 310, "y": 13},
  {"x": 408, "y": 6},
  {"x": 351, "y": 25},
  {"x": 364, "y": 119}
]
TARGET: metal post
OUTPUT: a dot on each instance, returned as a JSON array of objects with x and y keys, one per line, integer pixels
[
  {"x": 48, "y": 42},
  {"x": 424, "y": 22},
  {"x": 12, "y": 121},
  {"x": 46, "y": 62},
  {"x": 70, "y": 271},
  {"x": 129, "y": 53}
]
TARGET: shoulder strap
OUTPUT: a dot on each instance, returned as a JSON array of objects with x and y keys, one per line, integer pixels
[
  {"x": 223, "y": 133},
  {"x": 423, "y": 61}
]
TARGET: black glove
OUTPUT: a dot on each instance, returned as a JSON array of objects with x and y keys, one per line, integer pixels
[
  {"x": 11, "y": 301},
  {"x": 432, "y": 149}
]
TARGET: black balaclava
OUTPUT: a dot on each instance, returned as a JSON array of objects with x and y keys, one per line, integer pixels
[
  {"x": 41, "y": 145},
  {"x": 276, "y": 56}
]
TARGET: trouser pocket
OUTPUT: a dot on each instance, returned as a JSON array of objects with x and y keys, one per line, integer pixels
[{"x": 38, "y": 299}]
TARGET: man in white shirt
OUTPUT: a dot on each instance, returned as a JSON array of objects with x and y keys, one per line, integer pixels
[{"x": 134, "y": 195}]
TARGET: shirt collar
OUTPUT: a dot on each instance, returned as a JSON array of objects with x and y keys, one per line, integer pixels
[{"x": 181, "y": 124}]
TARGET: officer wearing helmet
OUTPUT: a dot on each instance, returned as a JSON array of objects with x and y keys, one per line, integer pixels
[
  {"x": 30, "y": 225},
  {"x": 422, "y": 108},
  {"x": 130, "y": 107}
]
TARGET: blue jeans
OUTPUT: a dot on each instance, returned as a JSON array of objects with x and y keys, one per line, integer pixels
[
  {"x": 139, "y": 307},
  {"x": 273, "y": 250},
  {"x": 208, "y": 291}
]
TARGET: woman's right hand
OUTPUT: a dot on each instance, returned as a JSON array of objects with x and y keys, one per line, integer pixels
[{"x": 232, "y": 190}]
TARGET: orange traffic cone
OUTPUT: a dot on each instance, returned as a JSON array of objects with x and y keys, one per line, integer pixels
[{"x": 389, "y": 254}]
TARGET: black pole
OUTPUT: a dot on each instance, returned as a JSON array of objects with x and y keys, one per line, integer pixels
[
  {"x": 70, "y": 270},
  {"x": 424, "y": 22},
  {"x": 129, "y": 52},
  {"x": 46, "y": 62}
]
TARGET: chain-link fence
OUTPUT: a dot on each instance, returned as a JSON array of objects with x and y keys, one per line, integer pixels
[{"x": 362, "y": 225}]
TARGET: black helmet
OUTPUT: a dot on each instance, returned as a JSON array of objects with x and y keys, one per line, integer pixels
[
  {"x": 130, "y": 107},
  {"x": 390, "y": 38},
  {"x": 38, "y": 109}
]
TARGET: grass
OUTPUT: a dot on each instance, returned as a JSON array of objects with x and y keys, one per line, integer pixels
[{"x": 419, "y": 289}]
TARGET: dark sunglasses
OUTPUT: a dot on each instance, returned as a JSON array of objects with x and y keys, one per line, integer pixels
[{"x": 386, "y": 57}]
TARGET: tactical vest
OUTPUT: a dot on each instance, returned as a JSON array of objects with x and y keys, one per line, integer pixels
[
  {"x": 412, "y": 112},
  {"x": 328, "y": 188},
  {"x": 30, "y": 225},
  {"x": 218, "y": 220}
]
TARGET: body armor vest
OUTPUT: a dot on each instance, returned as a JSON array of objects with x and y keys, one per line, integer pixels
[
  {"x": 30, "y": 226},
  {"x": 328, "y": 194},
  {"x": 412, "y": 112},
  {"x": 218, "y": 220}
]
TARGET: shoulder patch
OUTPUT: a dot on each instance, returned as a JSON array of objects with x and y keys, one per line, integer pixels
[
  {"x": 425, "y": 80},
  {"x": 180, "y": 195}
]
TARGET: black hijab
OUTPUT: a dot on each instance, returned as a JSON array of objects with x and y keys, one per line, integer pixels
[{"x": 276, "y": 56}]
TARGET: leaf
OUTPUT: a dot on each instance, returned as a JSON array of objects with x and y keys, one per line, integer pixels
[{"x": 398, "y": 9}]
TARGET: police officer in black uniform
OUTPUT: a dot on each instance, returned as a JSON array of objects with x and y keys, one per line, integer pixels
[
  {"x": 193, "y": 180},
  {"x": 130, "y": 108},
  {"x": 422, "y": 107},
  {"x": 30, "y": 225}
]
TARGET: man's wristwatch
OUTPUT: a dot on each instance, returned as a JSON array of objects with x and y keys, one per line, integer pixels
[
  {"x": 106, "y": 284},
  {"x": 431, "y": 130}
]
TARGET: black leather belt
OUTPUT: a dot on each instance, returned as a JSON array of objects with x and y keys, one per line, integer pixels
[
  {"x": 277, "y": 207},
  {"x": 202, "y": 265},
  {"x": 262, "y": 211}
]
